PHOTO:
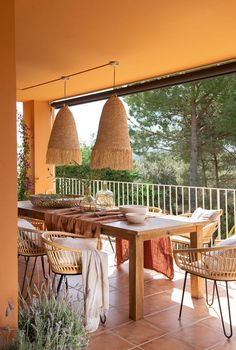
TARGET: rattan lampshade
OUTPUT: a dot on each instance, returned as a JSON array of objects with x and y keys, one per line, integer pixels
[
  {"x": 112, "y": 147},
  {"x": 63, "y": 146}
]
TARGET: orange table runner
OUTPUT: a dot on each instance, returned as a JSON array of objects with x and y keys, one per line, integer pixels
[
  {"x": 75, "y": 221},
  {"x": 157, "y": 252}
]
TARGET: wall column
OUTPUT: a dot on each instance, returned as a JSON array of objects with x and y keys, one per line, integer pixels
[
  {"x": 37, "y": 116},
  {"x": 8, "y": 177}
]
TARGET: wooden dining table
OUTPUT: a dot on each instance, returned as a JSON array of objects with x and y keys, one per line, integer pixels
[{"x": 153, "y": 227}]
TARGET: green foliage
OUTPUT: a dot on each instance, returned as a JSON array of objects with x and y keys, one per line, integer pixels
[
  {"x": 85, "y": 172},
  {"x": 160, "y": 121},
  {"x": 49, "y": 323},
  {"x": 23, "y": 157},
  {"x": 161, "y": 168}
]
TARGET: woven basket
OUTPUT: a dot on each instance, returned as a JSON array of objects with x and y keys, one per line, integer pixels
[
  {"x": 54, "y": 201},
  {"x": 63, "y": 146},
  {"x": 112, "y": 148}
]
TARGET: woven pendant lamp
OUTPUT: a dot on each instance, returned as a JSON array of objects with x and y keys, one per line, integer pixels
[
  {"x": 63, "y": 146},
  {"x": 112, "y": 147}
]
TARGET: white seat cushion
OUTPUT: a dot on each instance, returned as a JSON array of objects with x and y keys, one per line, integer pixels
[
  {"x": 229, "y": 241},
  {"x": 25, "y": 224},
  {"x": 77, "y": 243},
  {"x": 206, "y": 214}
]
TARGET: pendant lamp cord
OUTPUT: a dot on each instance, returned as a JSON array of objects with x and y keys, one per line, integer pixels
[
  {"x": 114, "y": 64},
  {"x": 114, "y": 77},
  {"x": 64, "y": 88},
  {"x": 65, "y": 78}
]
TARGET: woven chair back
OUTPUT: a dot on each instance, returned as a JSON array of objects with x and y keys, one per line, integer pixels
[
  {"x": 63, "y": 260},
  {"x": 218, "y": 263},
  {"x": 30, "y": 242}
]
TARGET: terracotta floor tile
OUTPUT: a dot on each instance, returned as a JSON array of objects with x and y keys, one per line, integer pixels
[
  {"x": 160, "y": 284},
  {"x": 139, "y": 332},
  {"x": 119, "y": 282},
  {"x": 158, "y": 302},
  {"x": 117, "y": 317},
  {"x": 199, "y": 335},
  {"x": 167, "y": 343},
  {"x": 225, "y": 345},
  {"x": 118, "y": 297},
  {"x": 108, "y": 341},
  {"x": 215, "y": 323},
  {"x": 168, "y": 320},
  {"x": 149, "y": 290}
]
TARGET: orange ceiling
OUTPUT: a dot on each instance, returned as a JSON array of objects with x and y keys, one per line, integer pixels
[{"x": 148, "y": 37}]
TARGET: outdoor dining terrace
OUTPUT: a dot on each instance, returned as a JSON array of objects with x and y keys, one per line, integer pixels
[
  {"x": 156, "y": 44},
  {"x": 199, "y": 328}
]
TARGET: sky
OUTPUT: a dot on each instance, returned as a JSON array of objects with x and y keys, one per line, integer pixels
[{"x": 87, "y": 118}]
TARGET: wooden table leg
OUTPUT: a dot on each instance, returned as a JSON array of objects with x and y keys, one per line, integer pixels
[
  {"x": 197, "y": 285},
  {"x": 136, "y": 278}
]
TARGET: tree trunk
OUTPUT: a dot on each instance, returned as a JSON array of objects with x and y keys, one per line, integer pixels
[
  {"x": 204, "y": 172},
  {"x": 216, "y": 170},
  {"x": 194, "y": 146}
]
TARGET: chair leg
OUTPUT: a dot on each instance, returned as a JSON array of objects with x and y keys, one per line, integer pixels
[
  {"x": 43, "y": 268},
  {"x": 221, "y": 314},
  {"x": 25, "y": 273},
  {"x": 54, "y": 280},
  {"x": 182, "y": 299},
  {"x": 66, "y": 282},
  {"x": 103, "y": 319},
  {"x": 32, "y": 274},
  {"x": 59, "y": 284},
  {"x": 213, "y": 293},
  {"x": 109, "y": 238}
]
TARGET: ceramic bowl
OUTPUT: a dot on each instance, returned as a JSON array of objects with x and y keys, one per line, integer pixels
[
  {"x": 137, "y": 209},
  {"x": 135, "y": 218}
]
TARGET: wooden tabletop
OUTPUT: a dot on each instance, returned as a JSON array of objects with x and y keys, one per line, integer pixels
[
  {"x": 154, "y": 226},
  {"x": 26, "y": 208}
]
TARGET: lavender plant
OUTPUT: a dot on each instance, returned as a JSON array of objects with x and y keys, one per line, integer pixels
[{"x": 49, "y": 323}]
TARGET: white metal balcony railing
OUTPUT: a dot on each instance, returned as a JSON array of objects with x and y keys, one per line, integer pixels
[{"x": 172, "y": 199}]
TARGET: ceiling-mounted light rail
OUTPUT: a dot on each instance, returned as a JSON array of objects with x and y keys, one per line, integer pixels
[
  {"x": 200, "y": 73},
  {"x": 70, "y": 75}
]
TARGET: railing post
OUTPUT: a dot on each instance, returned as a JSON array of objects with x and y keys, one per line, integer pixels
[
  {"x": 147, "y": 191},
  {"x": 218, "y": 207},
  {"x": 170, "y": 200}
]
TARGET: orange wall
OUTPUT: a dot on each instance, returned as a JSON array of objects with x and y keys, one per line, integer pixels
[
  {"x": 8, "y": 178},
  {"x": 38, "y": 118}
]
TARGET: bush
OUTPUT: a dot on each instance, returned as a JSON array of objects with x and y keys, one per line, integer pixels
[{"x": 49, "y": 323}]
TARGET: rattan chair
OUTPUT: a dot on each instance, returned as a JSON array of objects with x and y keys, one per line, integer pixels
[
  {"x": 37, "y": 223},
  {"x": 63, "y": 260},
  {"x": 30, "y": 246},
  {"x": 155, "y": 210},
  {"x": 216, "y": 264},
  {"x": 209, "y": 229}
]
